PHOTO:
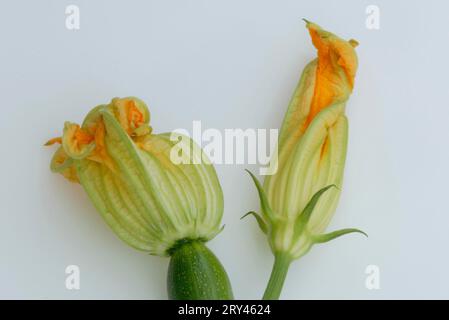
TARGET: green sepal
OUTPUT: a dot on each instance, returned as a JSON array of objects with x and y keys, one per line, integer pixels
[
  {"x": 214, "y": 234},
  {"x": 263, "y": 226},
  {"x": 266, "y": 209},
  {"x": 323, "y": 238},
  {"x": 305, "y": 215}
]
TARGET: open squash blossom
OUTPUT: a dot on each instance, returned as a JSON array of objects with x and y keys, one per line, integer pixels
[
  {"x": 298, "y": 201},
  {"x": 150, "y": 202}
]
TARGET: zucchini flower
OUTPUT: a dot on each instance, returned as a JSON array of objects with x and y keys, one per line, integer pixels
[
  {"x": 298, "y": 201},
  {"x": 151, "y": 203}
]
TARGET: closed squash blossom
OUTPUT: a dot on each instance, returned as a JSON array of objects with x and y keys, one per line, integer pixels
[
  {"x": 151, "y": 203},
  {"x": 298, "y": 201}
]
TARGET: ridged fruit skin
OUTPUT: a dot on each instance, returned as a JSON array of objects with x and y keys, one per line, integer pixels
[{"x": 195, "y": 273}]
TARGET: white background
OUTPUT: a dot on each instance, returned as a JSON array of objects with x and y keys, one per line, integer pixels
[{"x": 230, "y": 64}]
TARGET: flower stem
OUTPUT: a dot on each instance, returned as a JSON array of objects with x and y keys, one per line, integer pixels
[{"x": 278, "y": 274}]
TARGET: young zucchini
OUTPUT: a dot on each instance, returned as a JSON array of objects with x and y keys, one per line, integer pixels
[{"x": 195, "y": 273}]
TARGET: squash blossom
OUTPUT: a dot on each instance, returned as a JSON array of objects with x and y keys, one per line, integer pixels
[
  {"x": 298, "y": 201},
  {"x": 151, "y": 203}
]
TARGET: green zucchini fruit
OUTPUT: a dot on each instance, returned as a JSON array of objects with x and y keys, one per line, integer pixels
[{"x": 195, "y": 273}]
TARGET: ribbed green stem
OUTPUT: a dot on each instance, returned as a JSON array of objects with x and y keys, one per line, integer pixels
[{"x": 278, "y": 274}]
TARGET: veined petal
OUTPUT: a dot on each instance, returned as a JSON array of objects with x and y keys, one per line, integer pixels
[
  {"x": 306, "y": 161},
  {"x": 90, "y": 174},
  {"x": 194, "y": 180},
  {"x": 299, "y": 107},
  {"x": 291, "y": 129},
  {"x": 130, "y": 163},
  {"x": 335, "y": 157}
]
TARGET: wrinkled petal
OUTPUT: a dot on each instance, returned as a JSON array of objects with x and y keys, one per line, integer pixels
[{"x": 77, "y": 143}]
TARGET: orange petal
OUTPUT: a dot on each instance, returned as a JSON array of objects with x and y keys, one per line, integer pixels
[
  {"x": 53, "y": 141},
  {"x": 337, "y": 65}
]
